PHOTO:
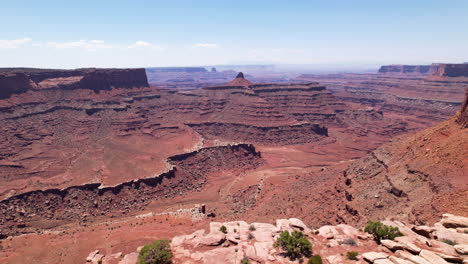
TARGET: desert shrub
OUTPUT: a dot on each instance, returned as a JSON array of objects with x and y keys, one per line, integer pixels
[
  {"x": 223, "y": 229},
  {"x": 252, "y": 228},
  {"x": 250, "y": 236},
  {"x": 158, "y": 252},
  {"x": 295, "y": 244},
  {"x": 349, "y": 241},
  {"x": 381, "y": 231},
  {"x": 315, "y": 260},
  {"x": 352, "y": 255},
  {"x": 450, "y": 242},
  {"x": 245, "y": 260}
]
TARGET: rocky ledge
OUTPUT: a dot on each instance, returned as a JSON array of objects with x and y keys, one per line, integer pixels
[{"x": 445, "y": 242}]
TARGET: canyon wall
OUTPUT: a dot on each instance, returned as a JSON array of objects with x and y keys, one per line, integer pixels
[
  {"x": 407, "y": 69},
  {"x": 463, "y": 117},
  {"x": 451, "y": 70}
]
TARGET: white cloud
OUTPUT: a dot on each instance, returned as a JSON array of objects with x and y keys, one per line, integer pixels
[
  {"x": 88, "y": 45},
  {"x": 288, "y": 50},
  {"x": 140, "y": 44},
  {"x": 13, "y": 43},
  {"x": 206, "y": 45}
]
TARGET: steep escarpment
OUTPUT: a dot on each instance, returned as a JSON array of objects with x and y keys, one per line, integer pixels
[
  {"x": 451, "y": 70},
  {"x": 463, "y": 117},
  {"x": 271, "y": 135},
  {"x": 415, "y": 178},
  {"x": 188, "y": 173},
  {"x": 14, "y": 81}
]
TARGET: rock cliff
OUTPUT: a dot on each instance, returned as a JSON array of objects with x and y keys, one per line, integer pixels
[
  {"x": 451, "y": 70},
  {"x": 463, "y": 117},
  {"x": 407, "y": 69},
  {"x": 15, "y": 81}
]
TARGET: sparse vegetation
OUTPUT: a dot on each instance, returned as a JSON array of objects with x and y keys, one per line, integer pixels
[
  {"x": 245, "y": 260},
  {"x": 252, "y": 227},
  {"x": 316, "y": 259},
  {"x": 450, "y": 242},
  {"x": 158, "y": 252},
  {"x": 349, "y": 241},
  {"x": 352, "y": 255},
  {"x": 250, "y": 236},
  {"x": 381, "y": 231},
  {"x": 295, "y": 244},
  {"x": 223, "y": 229}
]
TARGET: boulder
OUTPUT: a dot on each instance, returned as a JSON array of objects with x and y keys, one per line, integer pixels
[
  {"x": 131, "y": 258},
  {"x": 453, "y": 221},
  {"x": 97, "y": 258},
  {"x": 450, "y": 258},
  {"x": 373, "y": 256},
  {"x": 220, "y": 255},
  {"x": 423, "y": 230},
  {"x": 212, "y": 239},
  {"x": 91, "y": 255},
  {"x": 335, "y": 259},
  {"x": 408, "y": 256},
  {"x": 461, "y": 249},
  {"x": 406, "y": 243},
  {"x": 392, "y": 245},
  {"x": 294, "y": 222},
  {"x": 399, "y": 260},
  {"x": 262, "y": 249},
  {"x": 328, "y": 231},
  {"x": 383, "y": 261},
  {"x": 443, "y": 233},
  {"x": 432, "y": 257}
]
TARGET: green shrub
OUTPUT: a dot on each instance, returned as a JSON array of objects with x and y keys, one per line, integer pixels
[
  {"x": 381, "y": 231},
  {"x": 250, "y": 236},
  {"x": 450, "y": 242},
  {"x": 252, "y": 227},
  {"x": 245, "y": 260},
  {"x": 295, "y": 245},
  {"x": 223, "y": 229},
  {"x": 352, "y": 255},
  {"x": 349, "y": 241},
  {"x": 157, "y": 253},
  {"x": 315, "y": 260}
]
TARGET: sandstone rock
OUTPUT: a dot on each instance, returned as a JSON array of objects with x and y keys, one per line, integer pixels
[
  {"x": 91, "y": 255},
  {"x": 461, "y": 249},
  {"x": 443, "y": 233},
  {"x": 432, "y": 257},
  {"x": 450, "y": 258},
  {"x": 112, "y": 259},
  {"x": 453, "y": 221},
  {"x": 294, "y": 222},
  {"x": 212, "y": 239},
  {"x": 406, "y": 243},
  {"x": 408, "y": 256},
  {"x": 392, "y": 245},
  {"x": 372, "y": 256},
  {"x": 131, "y": 258},
  {"x": 220, "y": 255},
  {"x": 262, "y": 249},
  {"x": 97, "y": 259},
  {"x": 383, "y": 261},
  {"x": 399, "y": 260},
  {"x": 328, "y": 231},
  {"x": 335, "y": 259},
  {"x": 423, "y": 230}
]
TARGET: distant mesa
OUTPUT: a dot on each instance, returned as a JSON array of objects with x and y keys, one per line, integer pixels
[
  {"x": 435, "y": 69},
  {"x": 407, "y": 69}
]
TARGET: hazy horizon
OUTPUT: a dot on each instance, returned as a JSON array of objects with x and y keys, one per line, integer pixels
[{"x": 359, "y": 34}]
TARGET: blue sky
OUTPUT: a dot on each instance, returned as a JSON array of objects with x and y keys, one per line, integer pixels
[{"x": 101, "y": 33}]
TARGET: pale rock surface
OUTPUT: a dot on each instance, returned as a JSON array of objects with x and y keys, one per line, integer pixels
[
  {"x": 461, "y": 249},
  {"x": 432, "y": 257},
  {"x": 453, "y": 221},
  {"x": 131, "y": 258},
  {"x": 373, "y": 256}
]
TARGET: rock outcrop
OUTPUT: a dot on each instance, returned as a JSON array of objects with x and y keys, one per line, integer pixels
[{"x": 255, "y": 242}]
